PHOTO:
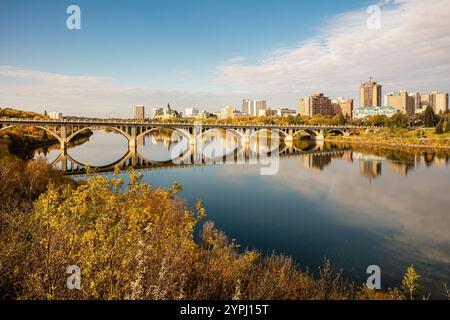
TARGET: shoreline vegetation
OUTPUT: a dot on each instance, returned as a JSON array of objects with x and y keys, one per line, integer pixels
[
  {"x": 22, "y": 141},
  {"x": 393, "y": 138},
  {"x": 135, "y": 242}
]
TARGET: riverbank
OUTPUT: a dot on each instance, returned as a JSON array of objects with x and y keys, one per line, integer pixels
[
  {"x": 398, "y": 138},
  {"x": 392, "y": 143}
]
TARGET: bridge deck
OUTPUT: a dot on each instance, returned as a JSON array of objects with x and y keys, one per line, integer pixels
[{"x": 135, "y": 123}]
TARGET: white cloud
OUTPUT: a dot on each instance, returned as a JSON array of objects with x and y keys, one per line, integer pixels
[
  {"x": 411, "y": 51},
  {"x": 89, "y": 95}
]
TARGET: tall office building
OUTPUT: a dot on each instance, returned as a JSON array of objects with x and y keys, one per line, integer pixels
[
  {"x": 246, "y": 107},
  {"x": 439, "y": 102},
  {"x": 55, "y": 115},
  {"x": 139, "y": 112},
  {"x": 425, "y": 101},
  {"x": 403, "y": 102},
  {"x": 254, "y": 108},
  {"x": 343, "y": 106},
  {"x": 316, "y": 104},
  {"x": 370, "y": 94},
  {"x": 260, "y": 108},
  {"x": 416, "y": 97}
]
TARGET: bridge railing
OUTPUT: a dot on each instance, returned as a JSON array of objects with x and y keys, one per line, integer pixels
[{"x": 177, "y": 124}]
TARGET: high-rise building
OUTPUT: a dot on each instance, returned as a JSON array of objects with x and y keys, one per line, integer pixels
[
  {"x": 370, "y": 94},
  {"x": 402, "y": 101},
  {"x": 139, "y": 112},
  {"x": 343, "y": 106},
  {"x": 416, "y": 97},
  {"x": 260, "y": 107},
  {"x": 425, "y": 101},
  {"x": 316, "y": 104},
  {"x": 439, "y": 102},
  {"x": 254, "y": 107},
  {"x": 226, "y": 113},
  {"x": 246, "y": 107},
  {"x": 55, "y": 115}
]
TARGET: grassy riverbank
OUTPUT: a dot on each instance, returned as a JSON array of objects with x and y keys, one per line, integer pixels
[{"x": 396, "y": 137}]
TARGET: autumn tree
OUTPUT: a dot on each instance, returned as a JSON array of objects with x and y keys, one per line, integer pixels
[
  {"x": 399, "y": 120},
  {"x": 440, "y": 127},
  {"x": 411, "y": 289},
  {"x": 429, "y": 117}
]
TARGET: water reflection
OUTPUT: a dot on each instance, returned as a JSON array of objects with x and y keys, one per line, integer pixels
[{"x": 356, "y": 205}]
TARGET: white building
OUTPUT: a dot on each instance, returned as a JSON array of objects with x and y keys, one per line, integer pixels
[
  {"x": 283, "y": 112},
  {"x": 228, "y": 112},
  {"x": 164, "y": 113},
  {"x": 157, "y": 112},
  {"x": 254, "y": 107},
  {"x": 55, "y": 115},
  {"x": 139, "y": 112},
  {"x": 191, "y": 112},
  {"x": 363, "y": 112}
]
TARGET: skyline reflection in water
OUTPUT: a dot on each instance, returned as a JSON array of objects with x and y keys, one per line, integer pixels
[{"x": 357, "y": 206}]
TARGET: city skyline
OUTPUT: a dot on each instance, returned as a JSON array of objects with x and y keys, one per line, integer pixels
[{"x": 324, "y": 53}]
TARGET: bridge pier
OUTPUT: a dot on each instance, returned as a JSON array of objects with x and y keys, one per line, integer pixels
[
  {"x": 63, "y": 141},
  {"x": 288, "y": 138},
  {"x": 320, "y": 137},
  {"x": 193, "y": 141},
  {"x": 132, "y": 145},
  {"x": 63, "y": 146},
  {"x": 245, "y": 139}
]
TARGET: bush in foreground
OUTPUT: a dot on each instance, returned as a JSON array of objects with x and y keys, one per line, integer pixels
[{"x": 138, "y": 243}]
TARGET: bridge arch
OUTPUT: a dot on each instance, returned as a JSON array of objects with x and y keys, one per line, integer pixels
[
  {"x": 182, "y": 131},
  {"x": 52, "y": 133},
  {"x": 240, "y": 135},
  {"x": 126, "y": 135},
  {"x": 310, "y": 132},
  {"x": 337, "y": 131}
]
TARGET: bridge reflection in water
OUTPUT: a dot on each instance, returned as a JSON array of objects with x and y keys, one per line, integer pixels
[
  {"x": 218, "y": 148},
  {"x": 205, "y": 153}
]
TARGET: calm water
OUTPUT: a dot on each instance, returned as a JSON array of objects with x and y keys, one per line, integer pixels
[{"x": 357, "y": 207}]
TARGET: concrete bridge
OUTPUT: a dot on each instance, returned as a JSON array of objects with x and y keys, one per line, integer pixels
[{"x": 65, "y": 130}]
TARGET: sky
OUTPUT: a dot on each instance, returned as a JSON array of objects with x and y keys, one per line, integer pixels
[{"x": 213, "y": 53}]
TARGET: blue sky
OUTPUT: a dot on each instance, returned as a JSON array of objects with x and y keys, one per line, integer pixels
[{"x": 195, "y": 47}]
